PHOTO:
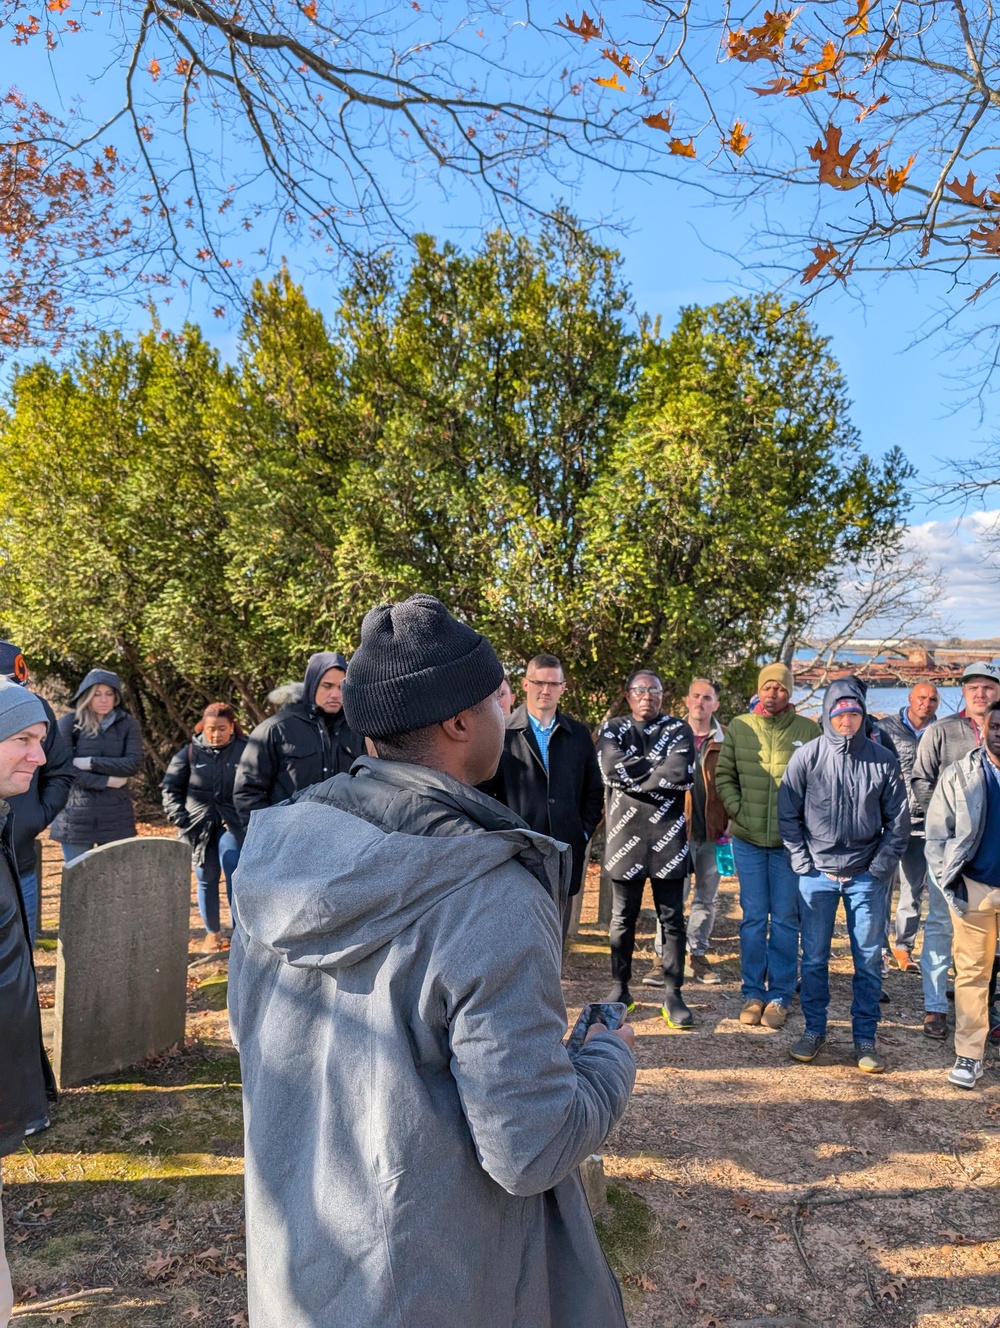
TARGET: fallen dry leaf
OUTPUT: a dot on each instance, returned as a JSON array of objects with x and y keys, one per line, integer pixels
[{"x": 890, "y": 1289}]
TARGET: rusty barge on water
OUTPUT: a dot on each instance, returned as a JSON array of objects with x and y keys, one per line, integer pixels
[{"x": 889, "y": 668}]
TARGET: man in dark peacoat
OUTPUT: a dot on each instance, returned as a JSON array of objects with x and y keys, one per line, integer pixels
[{"x": 559, "y": 791}]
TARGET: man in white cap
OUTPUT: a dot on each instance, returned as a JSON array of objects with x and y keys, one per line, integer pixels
[
  {"x": 948, "y": 741},
  {"x": 26, "y": 1080}
]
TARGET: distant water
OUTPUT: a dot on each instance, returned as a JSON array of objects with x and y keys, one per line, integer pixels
[{"x": 883, "y": 700}]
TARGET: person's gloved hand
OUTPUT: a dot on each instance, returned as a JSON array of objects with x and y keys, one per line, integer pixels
[
  {"x": 117, "y": 781},
  {"x": 83, "y": 762}
]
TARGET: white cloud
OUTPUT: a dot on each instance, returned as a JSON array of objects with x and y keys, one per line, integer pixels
[{"x": 969, "y": 562}]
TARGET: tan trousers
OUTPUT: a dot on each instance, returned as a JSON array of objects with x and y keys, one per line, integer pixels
[
  {"x": 6, "y": 1290},
  {"x": 973, "y": 948}
]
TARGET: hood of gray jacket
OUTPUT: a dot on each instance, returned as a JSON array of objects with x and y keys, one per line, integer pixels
[
  {"x": 97, "y": 676},
  {"x": 325, "y": 910},
  {"x": 852, "y": 689}
]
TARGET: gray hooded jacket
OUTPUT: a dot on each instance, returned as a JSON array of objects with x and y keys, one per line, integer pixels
[
  {"x": 414, "y": 1124},
  {"x": 956, "y": 818},
  {"x": 842, "y": 803}
]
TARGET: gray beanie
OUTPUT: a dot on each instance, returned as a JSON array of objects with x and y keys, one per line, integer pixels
[
  {"x": 19, "y": 709},
  {"x": 416, "y": 666}
]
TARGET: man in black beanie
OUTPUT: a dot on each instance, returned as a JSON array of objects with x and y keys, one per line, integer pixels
[{"x": 415, "y": 1124}]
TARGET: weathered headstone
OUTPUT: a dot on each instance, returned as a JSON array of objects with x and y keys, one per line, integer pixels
[
  {"x": 595, "y": 1183},
  {"x": 121, "y": 971},
  {"x": 604, "y": 900},
  {"x": 38, "y": 878}
]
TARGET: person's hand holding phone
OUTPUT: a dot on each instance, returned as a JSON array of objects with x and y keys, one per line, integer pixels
[{"x": 626, "y": 1033}]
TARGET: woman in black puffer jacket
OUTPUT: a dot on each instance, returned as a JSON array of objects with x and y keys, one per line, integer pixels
[
  {"x": 198, "y": 799},
  {"x": 107, "y": 749}
]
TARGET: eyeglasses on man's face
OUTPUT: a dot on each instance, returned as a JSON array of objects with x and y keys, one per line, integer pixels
[
  {"x": 645, "y": 691},
  {"x": 543, "y": 685}
]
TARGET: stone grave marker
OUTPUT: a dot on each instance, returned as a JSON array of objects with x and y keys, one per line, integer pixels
[{"x": 121, "y": 970}]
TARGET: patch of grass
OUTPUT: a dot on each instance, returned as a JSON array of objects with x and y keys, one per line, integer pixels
[
  {"x": 214, "y": 1068},
  {"x": 61, "y": 1248},
  {"x": 214, "y": 991},
  {"x": 48, "y": 943},
  {"x": 627, "y": 1231}
]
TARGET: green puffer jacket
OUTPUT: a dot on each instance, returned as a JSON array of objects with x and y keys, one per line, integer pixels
[{"x": 755, "y": 753}]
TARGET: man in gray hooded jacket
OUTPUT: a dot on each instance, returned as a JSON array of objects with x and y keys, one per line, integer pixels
[
  {"x": 844, "y": 821},
  {"x": 414, "y": 1124}
]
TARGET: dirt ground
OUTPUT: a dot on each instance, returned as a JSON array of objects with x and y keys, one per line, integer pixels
[{"x": 744, "y": 1189}]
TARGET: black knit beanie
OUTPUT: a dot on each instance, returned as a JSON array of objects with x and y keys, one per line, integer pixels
[{"x": 416, "y": 666}]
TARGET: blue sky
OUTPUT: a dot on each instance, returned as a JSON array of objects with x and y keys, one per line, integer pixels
[{"x": 679, "y": 250}]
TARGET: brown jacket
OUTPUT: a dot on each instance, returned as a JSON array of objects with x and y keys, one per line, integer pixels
[{"x": 716, "y": 817}]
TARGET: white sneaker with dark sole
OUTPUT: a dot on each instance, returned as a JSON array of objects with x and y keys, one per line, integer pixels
[{"x": 966, "y": 1072}]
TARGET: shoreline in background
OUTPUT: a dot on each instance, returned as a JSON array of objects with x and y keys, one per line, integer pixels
[{"x": 881, "y": 700}]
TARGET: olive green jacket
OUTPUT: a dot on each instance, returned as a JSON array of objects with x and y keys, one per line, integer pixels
[{"x": 755, "y": 752}]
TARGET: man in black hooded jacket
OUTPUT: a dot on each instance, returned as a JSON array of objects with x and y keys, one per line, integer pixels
[{"x": 307, "y": 741}]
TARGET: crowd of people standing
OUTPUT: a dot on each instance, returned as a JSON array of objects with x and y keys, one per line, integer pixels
[{"x": 416, "y": 741}]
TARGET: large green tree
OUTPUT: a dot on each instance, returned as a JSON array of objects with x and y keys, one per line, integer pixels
[{"x": 492, "y": 427}]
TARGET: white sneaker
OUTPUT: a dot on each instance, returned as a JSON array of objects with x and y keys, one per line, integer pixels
[{"x": 966, "y": 1072}]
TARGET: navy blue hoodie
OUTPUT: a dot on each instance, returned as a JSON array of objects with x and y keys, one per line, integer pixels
[{"x": 842, "y": 803}]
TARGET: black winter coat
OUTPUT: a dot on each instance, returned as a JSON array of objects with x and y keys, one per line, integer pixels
[
  {"x": 94, "y": 813},
  {"x": 26, "y": 1082},
  {"x": 567, "y": 801},
  {"x": 648, "y": 769},
  {"x": 198, "y": 792},
  {"x": 289, "y": 751},
  {"x": 45, "y": 799}
]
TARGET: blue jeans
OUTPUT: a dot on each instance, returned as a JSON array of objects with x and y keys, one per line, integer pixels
[
  {"x": 864, "y": 904},
  {"x": 29, "y": 889},
  {"x": 221, "y": 855},
  {"x": 935, "y": 955},
  {"x": 769, "y": 894},
  {"x": 73, "y": 851}
]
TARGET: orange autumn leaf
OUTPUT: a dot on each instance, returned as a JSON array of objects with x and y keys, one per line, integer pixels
[
  {"x": 878, "y": 56},
  {"x": 764, "y": 42},
  {"x": 661, "y": 120},
  {"x": 867, "y": 110},
  {"x": 966, "y": 193},
  {"x": 835, "y": 166},
  {"x": 774, "y": 87},
  {"x": 814, "y": 76},
  {"x": 624, "y": 62},
  {"x": 154, "y": 69},
  {"x": 738, "y": 140},
  {"x": 986, "y": 238},
  {"x": 895, "y": 177},
  {"x": 858, "y": 22},
  {"x": 182, "y": 67},
  {"x": 310, "y": 11},
  {"x": 681, "y": 149},
  {"x": 585, "y": 28},
  {"x": 57, "y": 6},
  {"x": 823, "y": 254},
  {"x": 611, "y": 82}
]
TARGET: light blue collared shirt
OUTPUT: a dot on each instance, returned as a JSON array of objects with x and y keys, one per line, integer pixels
[{"x": 542, "y": 737}]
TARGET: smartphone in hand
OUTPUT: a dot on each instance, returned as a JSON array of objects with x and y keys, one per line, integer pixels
[{"x": 609, "y": 1013}]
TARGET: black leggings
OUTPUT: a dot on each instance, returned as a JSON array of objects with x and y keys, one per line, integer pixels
[{"x": 668, "y": 898}]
